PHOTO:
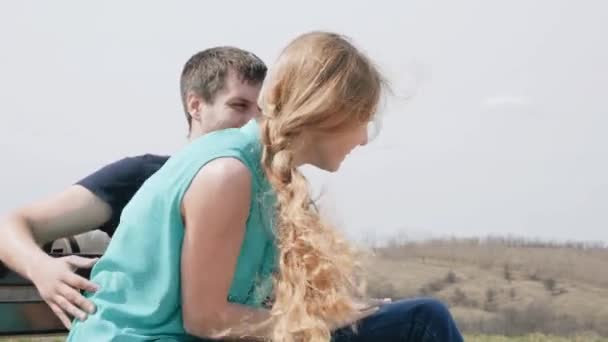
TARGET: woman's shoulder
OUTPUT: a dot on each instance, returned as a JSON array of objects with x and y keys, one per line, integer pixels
[
  {"x": 242, "y": 144},
  {"x": 226, "y": 140}
]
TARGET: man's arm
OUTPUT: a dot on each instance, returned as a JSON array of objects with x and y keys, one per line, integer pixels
[
  {"x": 71, "y": 212},
  {"x": 213, "y": 237},
  {"x": 96, "y": 202}
]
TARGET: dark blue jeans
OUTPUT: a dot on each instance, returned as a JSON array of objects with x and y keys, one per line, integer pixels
[{"x": 419, "y": 320}]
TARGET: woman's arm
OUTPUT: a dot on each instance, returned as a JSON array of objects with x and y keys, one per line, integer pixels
[{"x": 215, "y": 210}]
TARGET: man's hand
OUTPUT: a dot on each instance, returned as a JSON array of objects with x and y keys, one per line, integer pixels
[
  {"x": 371, "y": 303},
  {"x": 71, "y": 212},
  {"x": 60, "y": 287}
]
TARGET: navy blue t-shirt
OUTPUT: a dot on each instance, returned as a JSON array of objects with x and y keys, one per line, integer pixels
[{"x": 118, "y": 182}]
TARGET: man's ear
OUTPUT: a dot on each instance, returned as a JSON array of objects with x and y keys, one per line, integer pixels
[{"x": 194, "y": 105}]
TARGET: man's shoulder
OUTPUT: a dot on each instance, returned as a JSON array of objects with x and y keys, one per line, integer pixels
[
  {"x": 116, "y": 183},
  {"x": 124, "y": 173},
  {"x": 133, "y": 166},
  {"x": 143, "y": 160}
]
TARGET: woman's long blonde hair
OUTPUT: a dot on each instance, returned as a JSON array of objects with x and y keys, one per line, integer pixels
[{"x": 321, "y": 82}]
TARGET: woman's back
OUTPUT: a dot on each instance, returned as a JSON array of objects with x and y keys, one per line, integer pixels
[{"x": 139, "y": 275}]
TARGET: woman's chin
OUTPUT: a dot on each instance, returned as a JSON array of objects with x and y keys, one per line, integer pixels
[
  {"x": 332, "y": 167},
  {"x": 328, "y": 165}
]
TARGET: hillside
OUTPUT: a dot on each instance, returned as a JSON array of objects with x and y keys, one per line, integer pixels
[{"x": 501, "y": 286}]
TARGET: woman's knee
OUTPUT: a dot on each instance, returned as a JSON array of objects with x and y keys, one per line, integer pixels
[
  {"x": 426, "y": 318},
  {"x": 433, "y": 309}
]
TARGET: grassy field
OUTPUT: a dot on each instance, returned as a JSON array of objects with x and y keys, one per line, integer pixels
[{"x": 532, "y": 338}]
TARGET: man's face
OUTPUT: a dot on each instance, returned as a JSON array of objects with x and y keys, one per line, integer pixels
[{"x": 233, "y": 107}]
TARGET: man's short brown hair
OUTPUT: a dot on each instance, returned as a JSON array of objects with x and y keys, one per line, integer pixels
[{"x": 205, "y": 72}]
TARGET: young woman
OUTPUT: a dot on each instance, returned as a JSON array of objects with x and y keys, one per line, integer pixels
[{"x": 223, "y": 240}]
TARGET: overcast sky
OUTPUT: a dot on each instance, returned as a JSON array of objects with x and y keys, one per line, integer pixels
[{"x": 504, "y": 129}]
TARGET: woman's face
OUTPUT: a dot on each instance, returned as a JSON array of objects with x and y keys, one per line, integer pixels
[{"x": 327, "y": 151}]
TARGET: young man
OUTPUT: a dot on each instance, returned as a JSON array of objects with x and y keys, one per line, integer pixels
[{"x": 219, "y": 89}]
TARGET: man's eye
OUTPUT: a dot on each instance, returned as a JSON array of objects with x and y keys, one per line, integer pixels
[{"x": 239, "y": 106}]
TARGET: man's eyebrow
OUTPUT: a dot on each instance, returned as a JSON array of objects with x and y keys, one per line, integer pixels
[{"x": 238, "y": 99}]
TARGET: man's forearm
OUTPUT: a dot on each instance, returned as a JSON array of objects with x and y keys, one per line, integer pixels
[{"x": 18, "y": 248}]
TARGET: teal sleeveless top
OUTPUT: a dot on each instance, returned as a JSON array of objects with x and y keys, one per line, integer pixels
[{"x": 139, "y": 274}]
